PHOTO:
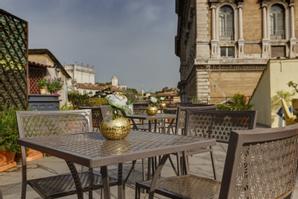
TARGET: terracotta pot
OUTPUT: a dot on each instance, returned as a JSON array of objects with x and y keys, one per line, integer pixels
[
  {"x": 33, "y": 155},
  {"x": 7, "y": 160}
]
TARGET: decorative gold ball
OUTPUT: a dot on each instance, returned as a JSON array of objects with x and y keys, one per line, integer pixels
[
  {"x": 163, "y": 105},
  {"x": 151, "y": 110},
  {"x": 116, "y": 129}
]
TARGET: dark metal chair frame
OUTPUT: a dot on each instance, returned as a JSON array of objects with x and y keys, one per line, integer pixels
[
  {"x": 180, "y": 125},
  {"x": 216, "y": 124},
  {"x": 260, "y": 163},
  {"x": 45, "y": 123}
]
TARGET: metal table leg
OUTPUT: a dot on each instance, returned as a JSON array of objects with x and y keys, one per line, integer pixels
[
  {"x": 134, "y": 125},
  {"x": 91, "y": 183},
  {"x": 105, "y": 182},
  {"x": 76, "y": 179},
  {"x": 156, "y": 175},
  {"x": 121, "y": 184}
]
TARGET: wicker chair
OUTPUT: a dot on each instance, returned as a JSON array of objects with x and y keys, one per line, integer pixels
[
  {"x": 46, "y": 123},
  {"x": 216, "y": 124},
  {"x": 96, "y": 116},
  {"x": 260, "y": 163},
  {"x": 181, "y": 116},
  {"x": 180, "y": 129}
]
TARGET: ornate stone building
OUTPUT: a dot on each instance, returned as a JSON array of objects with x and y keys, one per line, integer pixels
[{"x": 224, "y": 45}]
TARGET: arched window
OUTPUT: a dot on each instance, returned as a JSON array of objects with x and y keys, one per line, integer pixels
[
  {"x": 277, "y": 22},
  {"x": 226, "y": 22}
]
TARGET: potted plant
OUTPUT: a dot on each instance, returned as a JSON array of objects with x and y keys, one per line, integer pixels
[
  {"x": 8, "y": 139},
  {"x": 54, "y": 85},
  {"x": 237, "y": 103},
  {"x": 118, "y": 126},
  {"x": 152, "y": 108},
  {"x": 42, "y": 85}
]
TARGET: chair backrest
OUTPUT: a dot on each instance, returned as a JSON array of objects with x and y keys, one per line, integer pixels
[
  {"x": 261, "y": 163},
  {"x": 181, "y": 114},
  {"x": 106, "y": 113},
  {"x": 96, "y": 115},
  {"x": 218, "y": 124},
  {"x": 46, "y": 123}
]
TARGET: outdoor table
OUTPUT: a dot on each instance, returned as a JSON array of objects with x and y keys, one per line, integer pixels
[
  {"x": 92, "y": 150},
  {"x": 155, "y": 118}
]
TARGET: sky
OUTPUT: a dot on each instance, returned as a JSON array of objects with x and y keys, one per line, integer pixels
[{"x": 132, "y": 39}]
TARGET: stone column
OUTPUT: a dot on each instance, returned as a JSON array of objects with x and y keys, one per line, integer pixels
[
  {"x": 265, "y": 28},
  {"x": 240, "y": 22},
  {"x": 240, "y": 31},
  {"x": 214, "y": 41},
  {"x": 265, "y": 40},
  {"x": 293, "y": 38}
]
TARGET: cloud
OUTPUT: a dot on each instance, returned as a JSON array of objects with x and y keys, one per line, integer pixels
[{"x": 133, "y": 39}]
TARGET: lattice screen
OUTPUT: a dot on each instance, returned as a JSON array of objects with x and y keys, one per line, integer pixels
[
  {"x": 13, "y": 61},
  {"x": 35, "y": 74}
]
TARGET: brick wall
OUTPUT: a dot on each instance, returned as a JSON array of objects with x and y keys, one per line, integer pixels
[{"x": 225, "y": 84}]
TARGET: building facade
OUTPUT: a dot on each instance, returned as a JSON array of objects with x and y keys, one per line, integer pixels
[
  {"x": 81, "y": 73},
  {"x": 224, "y": 45},
  {"x": 44, "y": 65}
]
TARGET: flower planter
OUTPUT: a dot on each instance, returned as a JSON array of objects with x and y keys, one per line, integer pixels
[
  {"x": 115, "y": 129},
  {"x": 152, "y": 110},
  {"x": 43, "y": 91},
  {"x": 43, "y": 102},
  {"x": 33, "y": 155},
  {"x": 7, "y": 160}
]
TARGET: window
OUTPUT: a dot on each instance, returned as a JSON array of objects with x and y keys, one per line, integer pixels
[
  {"x": 227, "y": 52},
  {"x": 226, "y": 22},
  {"x": 277, "y": 22}
]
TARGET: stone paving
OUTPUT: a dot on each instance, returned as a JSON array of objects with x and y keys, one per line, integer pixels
[{"x": 11, "y": 187}]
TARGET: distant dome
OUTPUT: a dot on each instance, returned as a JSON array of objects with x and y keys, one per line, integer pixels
[{"x": 114, "y": 81}]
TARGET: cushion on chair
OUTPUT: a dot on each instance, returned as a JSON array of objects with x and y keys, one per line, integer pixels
[{"x": 188, "y": 186}]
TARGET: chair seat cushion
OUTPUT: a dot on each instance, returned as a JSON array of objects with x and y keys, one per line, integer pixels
[
  {"x": 63, "y": 185},
  {"x": 188, "y": 186}
]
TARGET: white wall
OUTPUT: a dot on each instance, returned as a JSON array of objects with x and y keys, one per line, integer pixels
[{"x": 275, "y": 78}]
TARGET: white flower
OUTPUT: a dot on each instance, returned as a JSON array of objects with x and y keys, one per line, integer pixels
[
  {"x": 120, "y": 102},
  {"x": 116, "y": 100},
  {"x": 162, "y": 98},
  {"x": 153, "y": 100}
]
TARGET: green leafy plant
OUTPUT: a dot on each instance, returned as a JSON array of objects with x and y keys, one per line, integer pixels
[
  {"x": 78, "y": 99},
  {"x": 54, "y": 85},
  {"x": 42, "y": 83},
  {"x": 237, "y": 103},
  {"x": 276, "y": 99},
  {"x": 66, "y": 107},
  {"x": 97, "y": 101},
  {"x": 9, "y": 131}
]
